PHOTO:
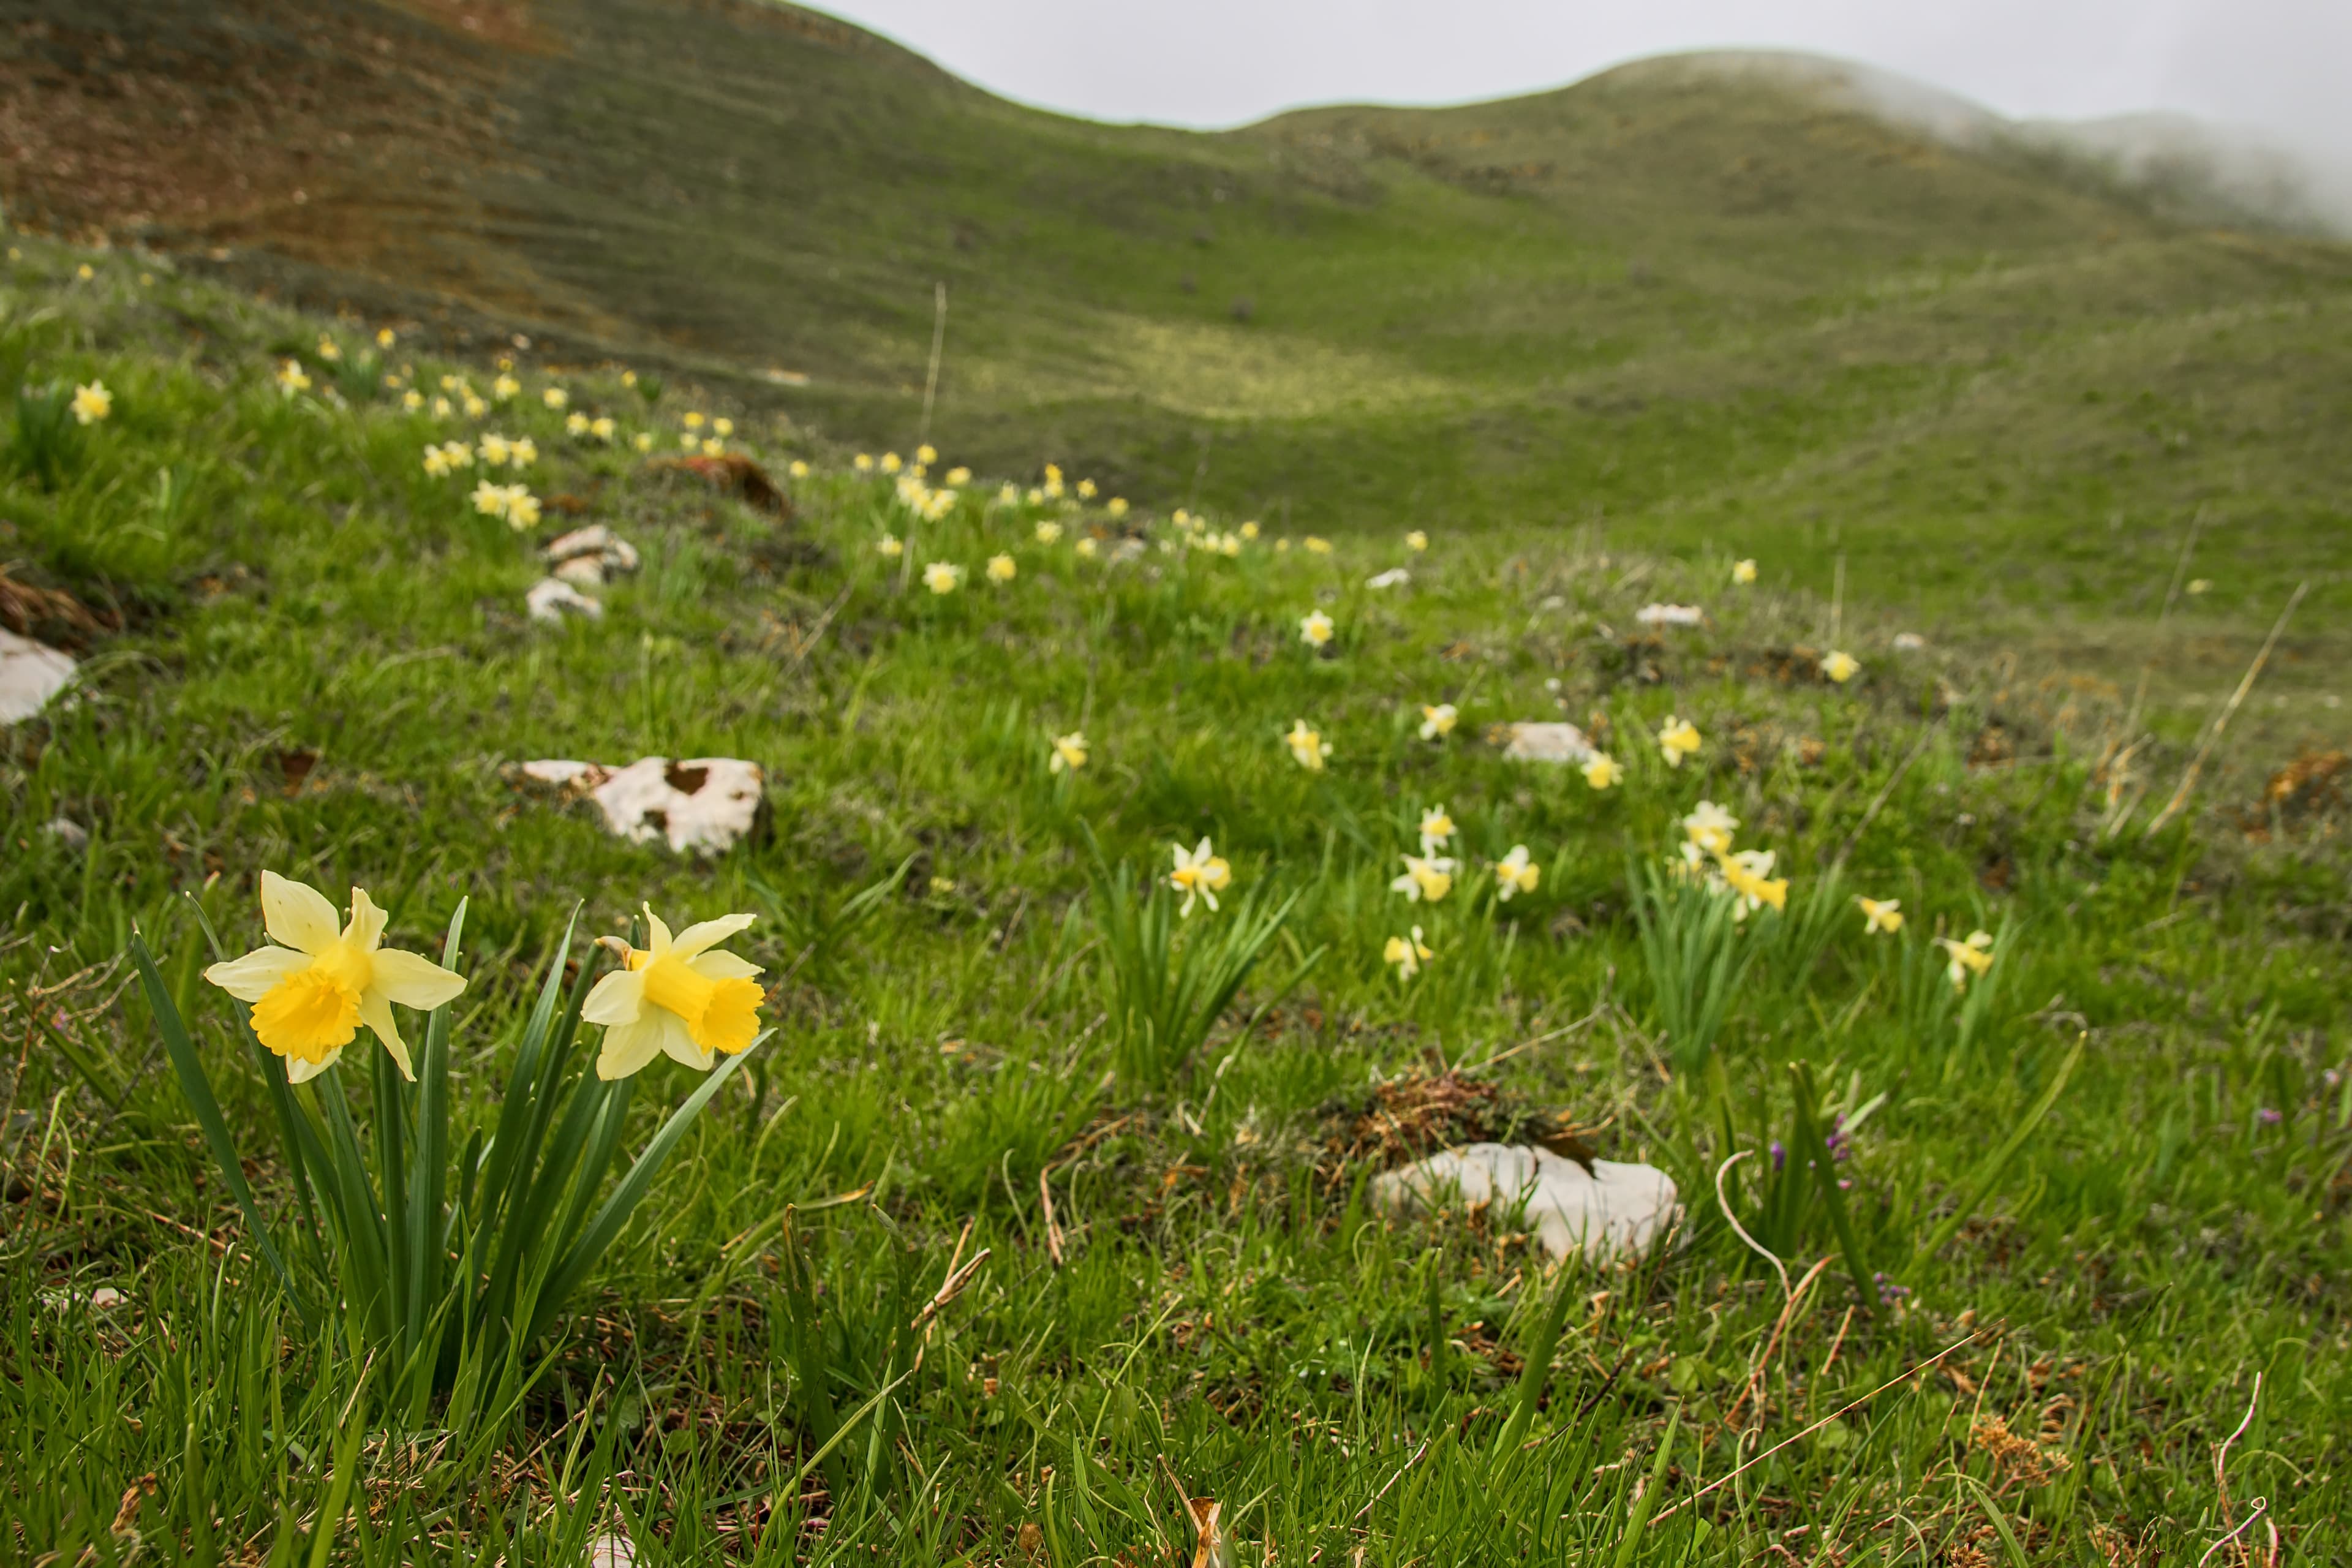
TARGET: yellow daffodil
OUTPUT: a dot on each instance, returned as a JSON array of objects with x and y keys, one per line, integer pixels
[
  {"x": 1000, "y": 569},
  {"x": 1308, "y": 746},
  {"x": 575, "y": 424},
  {"x": 927, "y": 454},
  {"x": 712, "y": 445},
  {"x": 2200, "y": 584},
  {"x": 1516, "y": 873},
  {"x": 1053, "y": 473},
  {"x": 602, "y": 428},
  {"x": 1008, "y": 495},
  {"x": 890, "y": 464},
  {"x": 1086, "y": 489},
  {"x": 504, "y": 388},
  {"x": 1880, "y": 915},
  {"x": 1437, "y": 829},
  {"x": 522, "y": 509},
  {"x": 449, "y": 383},
  {"x": 385, "y": 337},
  {"x": 522, "y": 452},
  {"x": 628, "y": 378},
  {"x": 1678, "y": 739},
  {"x": 1437, "y": 721},
  {"x": 1085, "y": 548},
  {"x": 84, "y": 272},
  {"x": 1968, "y": 958},
  {"x": 942, "y": 577},
  {"x": 436, "y": 463},
  {"x": 93, "y": 403},
  {"x": 1748, "y": 874},
  {"x": 1743, "y": 571},
  {"x": 1200, "y": 874},
  {"x": 1249, "y": 531},
  {"x": 1408, "y": 954},
  {"x": 1069, "y": 753},
  {"x": 1316, "y": 546},
  {"x": 1416, "y": 541},
  {"x": 441, "y": 408},
  {"x": 475, "y": 406},
  {"x": 1710, "y": 827},
  {"x": 1048, "y": 532},
  {"x": 798, "y": 469},
  {"x": 677, "y": 997},
  {"x": 959, "y": 476},
  {"x": 687, "y": 441},
  {"x": 1429, "y": 876},
  {"x": 892, "y": 547},
  {"x": 461, "y": 455},
  {"x": 411, "y": 400},
  {"x": 495, "y": 450},
  {"x": 1036, "y": 496},
  {"x": 1315, "y": 629},
  {"x": 329, "y": 350},
  {"x": 863, "y": 463},
  {"x": 392, "y": 383},
  {"x": 292, "y": 378},
  {"x": 722, "y": 425},
  {"x": 1116, "y": 505},
  {"x": 312, "y": 992},
  {"x": 1840, "y": 666},
  {"x": 555, "y": 396},
  {"x": 1603, "y": 772},
  {"x": 643, "y": 440},
  {"x": 1282, "y": 547}
]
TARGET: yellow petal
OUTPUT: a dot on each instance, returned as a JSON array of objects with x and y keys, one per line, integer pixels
[
  {"x": 619, "y": 999},
  {"x": 628, "y": 1047},
  {"x": 412, "y": 980},
  {"x": 250, "y": 978},
  {"x": 678, "y": 1044},
  {"x": 722, "y": 966},
  {"x": 301, "y": 1071},
  {"x": 695, "y": 938},
  {"x": 367, "y": 922},
  {"x": 296, "y": 914},
  {"x": 375, "y": 1012}
]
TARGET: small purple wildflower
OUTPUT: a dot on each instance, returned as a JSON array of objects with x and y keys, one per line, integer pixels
[
  {"x": 2268, "y": 1117},
  {"x": 1780, "y": 1155}
]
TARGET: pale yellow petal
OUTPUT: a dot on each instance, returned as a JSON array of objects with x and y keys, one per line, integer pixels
[
  {"x": 721, "y": 966},
  {"x": 249, "y": 979},
  {"x": 301, "y": 1071},
  {"x": 618, "y": 1000},
  {"x": 375, "y": 1012},
  {"x": 367, "y": 928},
  {"x": 628, "y": 1047},
  {"x": 296, "y": 914},
  {"x": 695, "y": 938},
  {"x": 678, "y": 1044},
  {"x": 659, "y": 942},
  {"x": 412, "y": 980}
]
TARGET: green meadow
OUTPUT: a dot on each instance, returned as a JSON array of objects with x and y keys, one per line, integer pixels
[{"x": 2078, "y": 1209}]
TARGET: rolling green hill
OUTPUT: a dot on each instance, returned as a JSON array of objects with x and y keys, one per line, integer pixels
[{"x": 1687, "y": 307}]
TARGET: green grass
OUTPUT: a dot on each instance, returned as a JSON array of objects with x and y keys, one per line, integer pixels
[{"x": 325, "y": 671}]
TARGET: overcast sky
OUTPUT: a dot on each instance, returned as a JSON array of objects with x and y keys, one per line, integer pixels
[{"x": 2284, "y": 66}]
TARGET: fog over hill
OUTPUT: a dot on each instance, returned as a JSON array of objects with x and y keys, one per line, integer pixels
[{"x": 2185, "y": 167}]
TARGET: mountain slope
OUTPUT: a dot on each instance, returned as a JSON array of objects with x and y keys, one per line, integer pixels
[{"x": 1702, "y": 306}]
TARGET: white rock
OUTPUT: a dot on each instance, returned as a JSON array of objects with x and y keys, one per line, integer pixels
[
  {"x": 1548, "y": 742},
  {"x": 703, "y": 804},
  {"x": 580, "y": 571},
  {"x": 68, "y": 832},
  {"x": 611, "y": 553},
  {"x": 30, "y": 674},
  {"x": 1617, "y": 1211},
  {"x": 1909, "y": 642},
  {"x": 612, "y": 1549},
  {"x": 1669, "y": 614},
  {"x": 1394, "y": 577},
  {"x": 551, "y": 598}
]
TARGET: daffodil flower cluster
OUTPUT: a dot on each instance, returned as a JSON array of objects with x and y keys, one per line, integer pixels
[
  {"x": 1970, "y": 958},
  {"x": 515, "y": 503},
  {"x": 1743, "y": 874},
  {"x": 1201, "y": 873}
]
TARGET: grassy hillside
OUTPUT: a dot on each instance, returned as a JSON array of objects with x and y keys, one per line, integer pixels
[
  {"x": 1684, "y": 309},
  {"x": 2104, "y": 1181}
]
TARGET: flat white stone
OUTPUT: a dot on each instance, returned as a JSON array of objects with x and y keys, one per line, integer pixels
[
  {"x": 551, "y": 599},
  {"x": 1549, "y": 742},
  {"x": 1619, "y": 1210},
  {"x": 580, "y": 571},
  {"x": 1909, "y": 642},
  {"x": 1394, "y": 577},
  {"x": 68, "y": 832},
  {"x": 30, "y": 674},
  {"x": 1669, "y": 614},
  {"x": 612, "y": 553},
  {"x": 703, "y": 805}
]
